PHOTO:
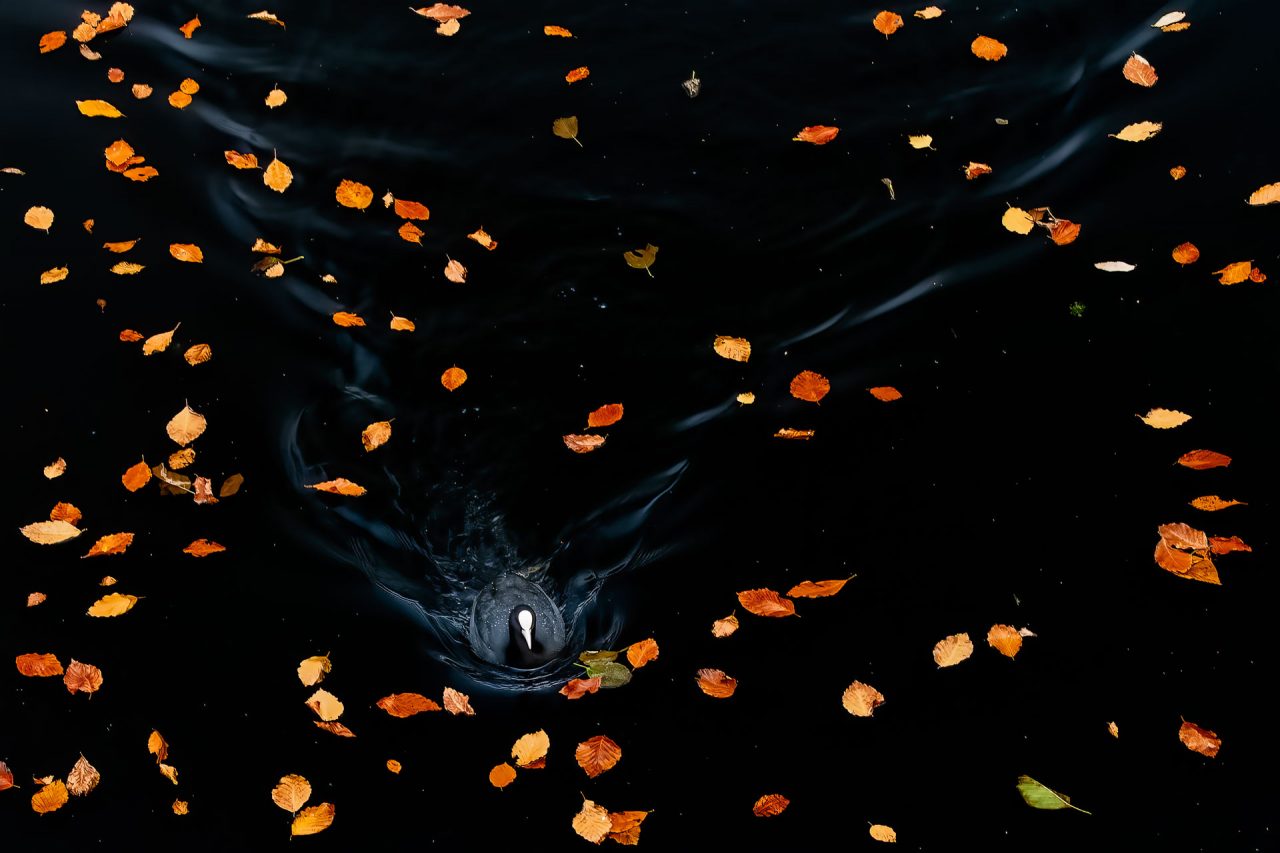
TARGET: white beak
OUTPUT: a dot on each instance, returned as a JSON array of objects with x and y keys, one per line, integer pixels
[{"x": 525, "y": 618}]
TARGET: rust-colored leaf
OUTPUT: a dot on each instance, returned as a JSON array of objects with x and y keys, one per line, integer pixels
[
  {"x": 410, "y": 233},
  {"x": 716, "y": 684},
  {"x": 347, "y": 319},
  {"x": 441, "y": 12},
  {"x": 36, "y": 665},
  {"x": 583, "y": 443},
  {"x": 975, "y": 170},
  {"x": 861, "y": 700},
  {"x": 1227, "y": 544},
  {"x": 502, "y": 775},
  {"x": 817, "y": 134},
  {"x": 639, "y": 654},
  {"x": 188, "y": 29},
  {"x": 549, "y": 30},
  {"x": 818, "y": 589},
  {"x": 597, "y": 755},
  {"x": 1186, "y": 253},
  {"x": 34, "y": 599},
  {"x": 794, "y": 434},
  {"x": 181, "y": 807},
  {"x": 63, "y": 511},
  {"x": 985, "y": 47},
  {"x": 52, "y": 41},
  {"x": 137, "y": 476},
  {"x": 186, "y": 252},
  {"x": 1178, "y": 172},
  {"x": 203, "y": 548},
  {"x": 157, "y": 746},
  {"x": 772, "y": 805},
  {"x": 1138, "y": 70},
  {"x": 334, "y": 727},
  {"x": 457, "y": 703},
  {"x": 885, "y": 393},
  {"x": 339, "y": 486},
  {"x": 579, "y": 687},
  {"x": 1005, "y": 639},
  {"x": 411, "y": 210},
  {"x": 407, "y": 704},
  {"x": 604, "y": 416},
  {"x": 112, "y": 543},
  {"x": 766, "y": 602},
  {"x": 624, "y": 827},
  {"x": 1200, "y": 460},
  {"x": 580, "y": 73},
  {"x": 375, "y": 435},
  {"x": 6, "y": 777},
  {"x": 82, "y": 677},
  {"x": 1213, "y": 503},
  {"x": 453, "y": 378},
  {"x": 1064, "y": 231},
  {"x": 1196, "y": 739},
  {"x": 809, "y": 386},
  {"x": 50, "y": 798},
  {"x": 242, "y": 161}
]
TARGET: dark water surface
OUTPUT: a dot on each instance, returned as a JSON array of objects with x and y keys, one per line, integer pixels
[{"x": 1012, "y": 484}]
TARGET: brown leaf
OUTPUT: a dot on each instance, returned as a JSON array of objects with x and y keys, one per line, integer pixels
[
  {"x": 817, "y": 134},
  {"x": 112, "y": 543},
  {"x": 1225, "y": 545},
  {"x": 1199, "y": 740},
  {"x": 63, "y": 511},
  {"x": 502, "y": 775},
  {"x": 203, "y": 548},
  {"x": 724, "y": 627},
  {"x": 1200, "y": 460},
  {"x": 639, "y": 654},
  {"x": 818, "y": 589},
  {"x": 137, "y": 476},
  {"x": 340, "y": 486},
  {"x": 316, "y": 818},
  {"x": 716, "y": 684},
  {"x": 766, "y": 602},
  {"x": 375, "y": 435},
  {"x": 771, "y": 805},
  {"x": 1005, "y": 639},
  {"x": 1178, "y": 172},
  {"x": 35, "y": 665},
  {"x": 6, "y": 777},
  {"x": 203, "y": 491},
  {"x": 951, "y": 650},
  {"x": 988, "y": 48},
  {"x": 1138, "y": 70},
  {"x": 861, "y": 700},
  {"x": 809, "y": 386},
  {"x": 1179, "y": 535},
  {"x": 579, "y": 687},
  {"x": 82, "y": 678},
  {"x": 334, "y": 727},
  {"x": 50, "y": 798},
  {"x": 453, "y": 378},
  {"x": 580, "y": 73},
  {"x": 604, "y": 416},
  {"x": 231, "y": 485},
  {"x": 407, "y": 704},
  {"x": 1064, "y": 231},
  {"x": 624, "y": 827},
  {"x": 1213, "y": 503},
  {"x": 291, "y": 792},
  {"x": 597, "y": 755},
  {"x": 887, "y": 23},
  {"x": 583, "y": 443},
  {"x": 457, "y": 703},
  {"x": 83, "y": 778}
]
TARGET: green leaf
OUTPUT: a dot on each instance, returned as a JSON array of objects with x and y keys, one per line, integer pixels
[
  {"x": 610, "y": 674},
  {"x": 1039, "y": 796},
  {"x": 642, "y": 259}
]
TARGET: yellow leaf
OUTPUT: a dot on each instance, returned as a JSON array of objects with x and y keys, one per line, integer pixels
[
  {"x": 313, "y": 820},
  {"x": 923, "y": 140},
  {"x": 291, "y": 792},
  {"x": 734, "y": 349},
  {"x": 50, "y": 532},
  {"x": 54, "y": 275},
  {"x": 929, "y": 13},
  {"x": 313, "y": 670},
  {"x": 880, "y": 832},
  {"x": 158, "y": 343},
  {"x": 276, "y": 97},
  {"x": 40, "y": 218},
  {"x": 1016, "y": 220},
  {"x": 951, "y": 650},
  {"x": 198, "y": 354},
  {"x": 642, "y": 259},
  {"x": 566, "y": 128},
  {"x": 1269, "y": 194},
  {"x": 98, "y": 108},
  {"x": 169, "y": 772},
  {"x": 402, "y": 324},
  {"x": 1164, "y": 418},
  {"x": 326, "y": 705},
  {"x": 186, "y": 426},
  {"x": 861, "y": 700},
  {"x": 531, "y": 747},
  {"x": 115, "y": 604},
  {"x": 1138, "y": 132},
  {"x": 127, "y": 268}
]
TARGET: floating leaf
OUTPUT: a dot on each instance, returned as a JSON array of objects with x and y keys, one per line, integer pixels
[
  {"x": 482, "y": 237},
  {"x": 579, "y": 687},
  {"x": 275, "y": 98},
  {"x": 1213, "y": 503},
  {"x": 1164, "y": 418},
  {"x": 98, "y": 108},
  {"x": 186, "y": 426},
  {"x": 114, "y": 604},
  {"x": 502, "y": 775},
  {"x": 407, "y": 704},
  {"x": 334, "y": 728},
  {"x": 606, "y": 415},
  {"x": 40, "y": 218},
  {"x": 410, "y": 233},
  {"x": 402, "y": 324},
  {"x": 112, "y": 543},
  {"x": 928, "y": 13},
  {"x": 1005, "y": 639},
  {"x": 810, "y": 386},
  {"x": 734, "y": 349},
  {"x": 181, "y": 807},
  {"x": 82, "y": 678},
  {"x": 818, "y": 589},
  {"x": 158, "y": 343},
  {"x": 314, "y": 819},
  {"x": 34, "y": 599},
  {"x": 277, "y": 175},
  {"x": 198, "y": 354},
  {"x": 455, "y": 272},
  {"x": 766, "y": 602},
  {"x": 642, "y": 259},
  {"x": 885, "y": 393},
  {"x": 880, "y": 832},
  {"x": 353, "y": 194},
  {"x": 54, "y": 275},
  {"x": 816, "y": 134},
  {"x": 552, "y": 30},
  {"x": 52, "y": 41},
  {"x": 347, "y": 319},
  {"x": 580, "y": 73},
  {"x": 453, "y": 378},
  {"x": 1138, "y": 70},
  {"x": 291, "y": 792},
  {"x": 988, "y": 48},
  {"x": 794, "y": 434},
  {"x": 442, "y": 12},
  {"x": 1169, "y": 19},
  {"x": 951, "y": 650},
  {"x": 1234, "y": 273},
  {"x": 566, "y": 128},
  {"x": 243, "y": 161},
  {"x": 327, "y": 706},
  {"x": 6, "y": 777},
  {"x": 641, "y": 653},
  {"x": 157, "y": 746},
  {"x": 231, "y": 485},
  {"x": 50, "y": 798},
  {"x": 457, "y": 703},
  {"x": 1017, "y": 220},
  {"x": 920, "y": 141},
  {"x": 1064, "y": 231},
  {"x": 724, "y": 627},
  {"x": 1039, "y": 796},
  {"x": 887, "y": 23},
  {"x": 83, "y": 778},
  {"x": 1114, "y": 266},
  {"x": 592, "y": 822},
  {"x": 186, "y": 252},
  {"x": 1186, "y": 253},
  {"x": 1138, "y": 132},
  {"x": 716, "y": 684},
  {"x": 975, "y": 170},
  {"x": 50, "y": 532},
  {"x": 141, "y": 91},
  {"x": 203, "y": 548},
  {"x": 55, "y": 469},
  {"x": 188, "y": 29},
  {"x": 339, "y": 486},
  {"x": 861, "y": 700},
  {"x": 269, "y": 18},
  {"x": 531, "y": 748},
  {"x": 36, "y": 665},
  {"x": 313, "y": 670},
  {"x": 1227, "y": 544},
  {"x": 597, "y": 755},
  {"x": 1269, "y": 194},
  {"x": 1199, "y": 740},
  {"x": 375, "y": 435}
]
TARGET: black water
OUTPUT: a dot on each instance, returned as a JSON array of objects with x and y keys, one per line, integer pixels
[{"x": 1012, "y": 483}]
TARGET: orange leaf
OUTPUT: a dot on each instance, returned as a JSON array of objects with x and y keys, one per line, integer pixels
[
  {"x": 1138, "y": 70},
  {"x": 885, "y": 393},
  {"x": 410, "y": 233},
  {"x": 394, "y": 766},
  {"x": 314, "y": 819},
  {"x": 1199, "y": 460},
  {"x": 40, "y": 218},
  {"x": 976, "y": 170},
  {"x": 130, "y": 336},
  {"x": 38, "y": 665},
  {"x": 1199, "y": 740},
  {"x": 818, "y": 134},
  {"x": 1234, "y": 273},
  {"x": 402, "y": 324},
  {"x": 598, "y": 754},
  {"x": 1225, "y": 545},
  {"x": 50, "y": 798},
  {"x": 347, "y": 319},
  {"x": 809, "y": 386},
  {"x": 583, "y": 443},
  {"x": 549, "y": 29},
  {"x": 887, "y": 23},
  {"x": 157, "y": 746},
  {"x": 880, "y": 832},
  {"x": 82, "y": 677},
  {"x": 989, "y": 49},
  {"x": 951, "y": 650},
  {"x": 818, "y": 589},
  {"x": 624, "y": 827},
  {"x": 592, "y": 822},
  {"x": 724, "y": 627},
  {"x": 1269, "y": 194},
  {"x": 502, "y": 775},
  {"x": 771, "y": 805},
  {"x": 1179, "y": 535},
  {"x": 794, "y": 434},
  {"x": 188, "y": 86},
  {"x": 766, "y": 602},
  {"x": 639, "y": 654},
  {"x": 141, "y": 90},
  {"x": 187, "y": 252},
  {"x": 190, "y": 27},
  {"x": 353, "y": 194},
  {"x": 1005, "y": 639},
  {"x": 604, "y": 416},
  {"x": 453, "y": 378},
  {"x": 141, "y": 175},
  {"x": 340, "y": 486},
  {"x": 137, "y": 476},
  {"x": 54, "y": 275},
  {"x": 407, "y": 704},
  {"x": 55, "y": 469},
  {"x": 579, "y": 687},
  {"x": 375, "y": 435},
  {"x": 6, "y": 777},
  {"x": 118, "y": 152},
  {"x": 716, "y": 684},
  {"x": 65, "y": 512},
  {"x": 1213, "y": 503},
  {"x": 55, "y": 40},
  {"x": 455, "y": 272},
  {"x": 441, "y": 12},
  {"x": 1178, "y": 172},
  {"x": 326, "y": 706},
  {"x": 277, "y": 175},
  {"x": 1064, "y": 231},
  {"x": 581, "y": 73},
  {"x": 179, "y": 100},
  {"x": 1186, "y": 253},
  {"x": 334, "y": 727},
  {"x": 241, "y": 161},
  {"x": 203, "y": 548},
  {"x": 481, "y": 237},
  {"x": 861, "y": 700},
  {"x": 112, "y": 543},
  {"x": 411, "y": 210},
  {"x": 457, "y": 703}
]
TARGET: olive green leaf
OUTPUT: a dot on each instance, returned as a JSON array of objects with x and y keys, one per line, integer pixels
[
  {"x": 1039, "y": 796},
  {"x": 566, "y": 128}
]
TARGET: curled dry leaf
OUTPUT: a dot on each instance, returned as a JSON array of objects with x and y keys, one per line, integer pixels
[
  {"x": 347, "y": 319},
  {"x": 402, "y": 324},
  {"x": 606, "y": 415},
  {"x": 50, "y": 532},
  {"x": 83, "y": 778},
  {"x": 794, "y": 434},
  {"x": 1178, "y": 172},
  {"x": 63, "y": 511},
  {"x": 375, "y": 435},
  {"x": 531, "y": 748},
  {"x": 1113, "y": 729},
  {"x": 724, "y": 627},
  {"x": 50, "y": 798},
  {"x": 502, "y": 776},
  {"x": 770, "y": 805},
  {"x": 455, "y": 272},
  {"x": 1196, "y": 739},
  {"x": 861, "y": 700},
  {"x": 928, "y": 13},
  {"x": 734, "y": 349},
  {"x": 1183, "y": 551},
  {"x": 887, "y": 22},
  {"x": 1005, "y": 639},
  {"x": 1114, "y": 266},
  {"x": 1164, "y": 418},
  {"x": 810, "y": 386},
  {"x": 597, "y": 755},
  {"x": 818, "y": 589},
  {"x": 114, "y": 604},
  {"x": 766, "y": 602},
  {"x": 975, "y": 170},
  {"x": 170, "y": 773},
  {"x": 746, "y": 398},
  {"x": 55, "y": 469},
  {"x": 583, "y": 443},
  {"x": 641, "y": 653},
  {"x": 642, "y": 259},
  {"x": 112, "y": 543},
  {"x": 394, "y": 766},
  {"x": 1064, "y": 231},
  {"x": 449, "y": 28},
  {"x": 6, "y": 777},
  {"x": 188, "y": 29},
  {"x": 716, "y": 684},
  {"x": 327, "y": 706},
  {"x": 186, "y": 426},
  {"x": 291, "y": 792},
  {"x": 1213, "y": 503},
  {"x": 579, "y": 687},
  {"x": 1138, "y": 132},
  {"x": 880, "y": 832},
  {"x": 407, "y": 704},
  {"x": 315, "y": 819},
  {"x": 592, "y": 822},
  {"x": 951, "y": 650},
  {"x": 816, "y": 134},
  {"x": 1169, "y": 19},
  {"x": 985, "y": 47},
  {"x": 313, "y": 670},
  {"x": 1227, "y": 544},
  {"x": 157, "y": 746},
  {"x": 181, "y": 807},
  {"x": 267, "y": 18},
  {"x": 339, "y": 486},
  {"x": 453, "y": 378},
  {"x": 36, "y": 665},
  {"x": 580, "y": 73},
  {"x": 482, "y": 237},
  {"x": 82, "y": 677},
  {"x": 203, "y": 548},
  {"x": 457, "y": 703},
  {"x": 334, "y": 728},
  {"x": 1186, "y": 253},
  {"x": 1138, "y": 70},
  {"x": 241, "y": 161},
  {"x": 624, "y": 827}
]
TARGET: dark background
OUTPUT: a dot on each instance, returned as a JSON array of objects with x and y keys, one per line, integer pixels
[{"x": 1013, "y": 483}]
